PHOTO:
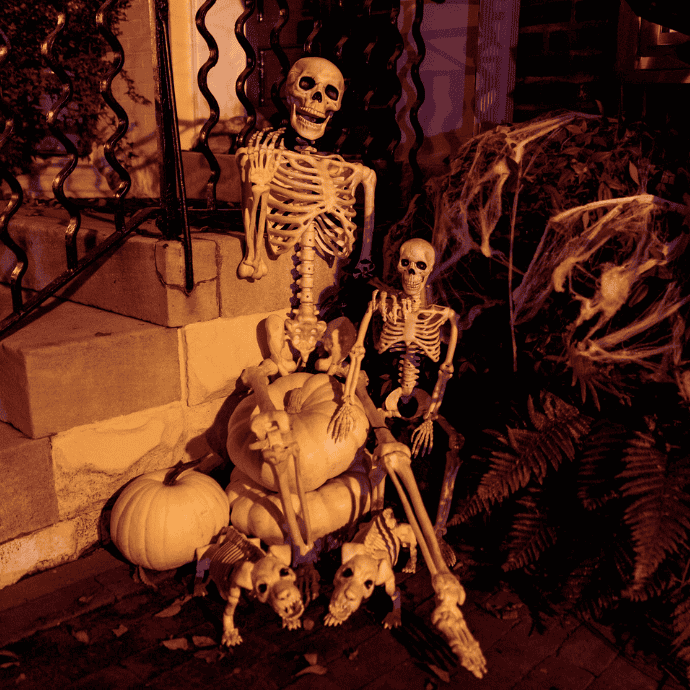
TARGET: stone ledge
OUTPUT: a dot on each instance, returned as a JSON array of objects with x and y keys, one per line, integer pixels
[
  {"x": 73, "y": 365},
  {"x": 27, "y": 490},
  {"x": 144, "y": 278}
]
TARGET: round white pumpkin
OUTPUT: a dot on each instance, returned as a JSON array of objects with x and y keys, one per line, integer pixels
[
  {"x": 321, "y": 457},
  {"x": 160, "y": 525},
  {"x": 340, "y": 501}
]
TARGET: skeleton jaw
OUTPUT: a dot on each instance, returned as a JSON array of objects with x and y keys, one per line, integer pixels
[
  {"x": 307, "y": 122},
  {"x": 412, "y": 284},
  {"x": 290, "y": 611},
  {"x": 342, "y": 607}
]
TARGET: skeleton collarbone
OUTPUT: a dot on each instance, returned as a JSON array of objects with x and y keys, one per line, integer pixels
[{"x": 313, "y": 192}]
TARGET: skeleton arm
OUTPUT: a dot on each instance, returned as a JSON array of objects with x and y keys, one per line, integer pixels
[
  {"x": 258, "y": 164},
  {"x": 364, "y": 264},
  {"x": 422, "y": 438},
  {"x": 341, "y": 423}
]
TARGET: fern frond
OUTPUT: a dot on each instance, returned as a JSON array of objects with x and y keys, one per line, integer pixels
[
  {"x": 599, "y": 464},
  {"x": 523, "y": 454},
  {"x": 660, "y": 518},
  {"x": 681, "y": 627},
  {"x": 531, "y": 534}
]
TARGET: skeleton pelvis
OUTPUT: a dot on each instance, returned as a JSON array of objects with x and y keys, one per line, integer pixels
[
  {"x": 321, "y": 457},
  {"x": 391, "y": 405}
]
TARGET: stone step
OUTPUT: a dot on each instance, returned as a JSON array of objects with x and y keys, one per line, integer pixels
[{"x": 73, "y": 365}]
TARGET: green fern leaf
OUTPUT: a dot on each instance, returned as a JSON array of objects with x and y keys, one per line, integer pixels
[{"x": 659, "y": 518}]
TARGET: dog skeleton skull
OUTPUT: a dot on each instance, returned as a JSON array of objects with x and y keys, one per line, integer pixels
[{"x": 314, "y": 90}]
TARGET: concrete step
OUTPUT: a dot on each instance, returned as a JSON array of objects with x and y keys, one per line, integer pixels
[{"x": 74, "y": 365}]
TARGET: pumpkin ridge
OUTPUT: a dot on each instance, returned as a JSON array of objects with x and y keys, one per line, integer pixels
[
  {"x": 137, "y": 549},
  {"x": 127, "y": 515}
]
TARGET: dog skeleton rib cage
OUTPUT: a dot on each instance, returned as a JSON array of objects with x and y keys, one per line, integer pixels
[{"x": 295, "y": 446}]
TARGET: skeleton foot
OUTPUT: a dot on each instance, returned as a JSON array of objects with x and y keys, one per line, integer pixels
[
  {"x": 231, "y": 637},
  {"x": 330, "y": 619},
  {"x": 447, "y": 552},
  {"x": 308, "y": 582},
  {"x": 393, "y": 619}
]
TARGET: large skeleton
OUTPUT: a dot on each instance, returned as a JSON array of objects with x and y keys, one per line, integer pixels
[{"x": 302, "y": 197}]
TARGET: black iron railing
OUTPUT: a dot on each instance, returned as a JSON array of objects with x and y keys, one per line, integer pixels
[{"x": 362, "y": 38}]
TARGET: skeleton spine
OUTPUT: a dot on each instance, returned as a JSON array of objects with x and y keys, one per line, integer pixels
[
  {"x": 408, "y": 368},
  {"x": 305, "y": 268}
]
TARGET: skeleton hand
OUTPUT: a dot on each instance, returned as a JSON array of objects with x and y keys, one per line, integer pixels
[
  {"x": 262, "y": 158},
  {"x": 342, "y": 422},
  {"x": 423, "y": 438}
]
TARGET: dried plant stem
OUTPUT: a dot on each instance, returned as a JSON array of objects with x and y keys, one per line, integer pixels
[{"x": 511, "y": 305}]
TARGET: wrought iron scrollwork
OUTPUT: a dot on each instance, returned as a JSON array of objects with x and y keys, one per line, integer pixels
[
  {"x": 16, "y": 195},
  {"x": 47, "y": 51}
]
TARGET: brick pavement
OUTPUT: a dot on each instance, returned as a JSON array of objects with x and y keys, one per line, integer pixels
[{"x": 88, "y": 624}]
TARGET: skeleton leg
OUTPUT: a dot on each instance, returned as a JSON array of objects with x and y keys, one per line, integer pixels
[
  {"x": 231, "y": 635},
  {"x": 272, "y": 429},
  {"x": 450, "y": 594},
  {"x": 455, "y": 443}
]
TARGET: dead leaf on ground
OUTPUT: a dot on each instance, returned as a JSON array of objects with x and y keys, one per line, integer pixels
[
  {"x": 311, "y": 657},
  {"x": 174, "y": 608},
  {"x": 351, "y": 654},
  {"x": 9, "y": 664},
  {"x": 120, "y": 630},
  {"x": 81, "y": 635},
  {"x": 20, "y": 678},
  {"x": 308, "y": 624},
  {"x": 443, "y": 675},
  {"x": 203, "y": 641},
  {"x": 7, "y": 652},
  {"x": 85, "y": 599},
  {"x": 316, "y": 668},
  {"x": 177, "y": 643}
]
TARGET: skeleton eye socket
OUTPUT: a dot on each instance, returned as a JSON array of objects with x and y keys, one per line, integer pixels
[
  {"x": 332, "y": 92},
  {"x": 306, "y": 83},
  {"x": 261, "y": 589},
  {"x": 405, "y": 262},
  {"x": 347, "y": 572},
  {"x": 421, "y": 265},
  {"x": 284, "y": 572},
  {"x": 369, "y": 584}
]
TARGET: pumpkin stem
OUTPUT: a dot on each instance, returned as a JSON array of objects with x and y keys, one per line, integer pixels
[
  {"x": 175, "y": 471},
  {"x": 294, "y": 401}
]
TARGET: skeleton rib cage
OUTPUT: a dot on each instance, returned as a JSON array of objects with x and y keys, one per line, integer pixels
[{"x": 316, "y": 192}]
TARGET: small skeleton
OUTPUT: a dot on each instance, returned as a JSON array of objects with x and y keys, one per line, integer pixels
[
  {"x": 302, "y": 197},
  {"x": 234, "y": 563},
  {"x": 368, "y": 561},
  {"x": 412, "y": 328}
]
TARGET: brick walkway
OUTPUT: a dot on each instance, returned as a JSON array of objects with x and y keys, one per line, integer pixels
[{"x": 88, "y": 624}]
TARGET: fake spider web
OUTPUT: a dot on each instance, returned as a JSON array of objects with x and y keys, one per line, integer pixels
[{"x": 609, "y": 261}]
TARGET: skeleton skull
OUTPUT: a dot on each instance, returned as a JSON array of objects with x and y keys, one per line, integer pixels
[
  {"x": 353, "y": 583},
  {"x": 416, "y": 261},
  {"x": 314, "y": 92},
  {"x": 274, "y": 582}
]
